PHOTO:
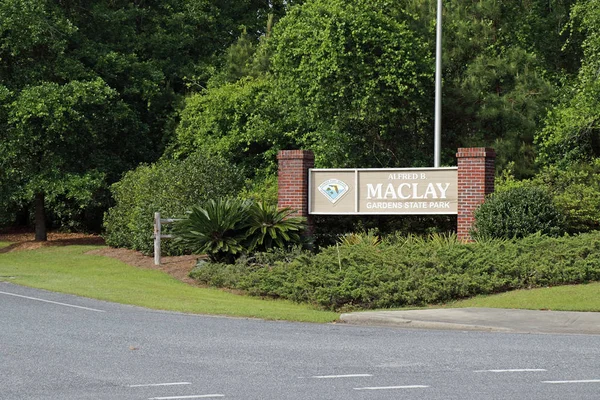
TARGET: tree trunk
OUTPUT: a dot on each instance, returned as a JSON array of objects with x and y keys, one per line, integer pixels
[{"x": 40, "y": 218}]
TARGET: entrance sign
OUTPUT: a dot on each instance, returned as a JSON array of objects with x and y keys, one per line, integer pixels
[{"x": 383, "y": 191}]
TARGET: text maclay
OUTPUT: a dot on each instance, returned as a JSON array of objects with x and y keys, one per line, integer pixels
[{"x": 406, "y": 191}]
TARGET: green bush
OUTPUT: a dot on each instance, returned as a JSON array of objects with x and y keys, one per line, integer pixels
[
  {"x": 219, "y": 229},
  {"x": 270, "y": 227},
  {"x": 227, "y": 228},
  {"x": 261, "y": 189},
  {"x": 409, "y": 271},
  {"x": 170, "y": 187},
  {"x": 576, "y": 191},
  {"x": 516, "y": 213}
]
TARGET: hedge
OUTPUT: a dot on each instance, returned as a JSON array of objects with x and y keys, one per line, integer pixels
[{"x": 410, "y": 272}]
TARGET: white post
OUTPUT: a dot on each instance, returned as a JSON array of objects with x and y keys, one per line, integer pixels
[
  {"x": 157, "y": 236},
  {"x": 438, "y": 88}
]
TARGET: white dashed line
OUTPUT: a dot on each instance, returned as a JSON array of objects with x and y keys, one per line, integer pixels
[
  {"x": 160, "y": 384},
  {"x": 580, "y": 381},
  {"x": 393, "y": 387},
  {"x": 201, "y": 396},
  {"x": 513, "y": 370},
  {"x": 340, "y": 376},
  {"x": 52, "y": 302}
]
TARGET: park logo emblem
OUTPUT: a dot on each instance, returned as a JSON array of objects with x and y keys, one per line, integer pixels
[{"x": 333, "y": 189}]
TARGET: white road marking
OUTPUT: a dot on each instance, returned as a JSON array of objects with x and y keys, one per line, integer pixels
[
  {"x": 581, "y": 381},
  {"x": 340, "y": 376},
  {"x": 160, "y": 384},
  {"x": 393, "y": 387},
  {"x": 201, "y": 396},
  {"x": 513, "y": 370},
  {"x": 53, "y": 302}
]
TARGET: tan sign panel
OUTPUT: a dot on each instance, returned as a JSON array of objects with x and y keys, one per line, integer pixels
[{"x": 384, "y": 191}]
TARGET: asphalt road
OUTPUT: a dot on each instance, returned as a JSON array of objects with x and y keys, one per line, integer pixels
[{"x": 55, "y": 346}]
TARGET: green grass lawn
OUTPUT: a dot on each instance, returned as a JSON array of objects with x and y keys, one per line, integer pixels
[
  {"x": 69, "y": 270},
  {"x": 559, "y": 298}
]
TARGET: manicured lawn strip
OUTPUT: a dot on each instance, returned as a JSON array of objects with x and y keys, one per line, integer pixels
[
  {"x": 558, "y": 298},
  {"x": 68, "y": 270},
  {"x": 4, "y": 244}
]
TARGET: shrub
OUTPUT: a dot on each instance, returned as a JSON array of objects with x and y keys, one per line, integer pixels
[
  {"x": 219, "y": 229},
  {"x": 516, "y": 213},
  {"x": 411, "y": 271},
  {"x": 170, "y": 187},
  {"x": 226, "y": 228},
  {"x": 576, "y": 191},
  {"x": 272, "y": 227},
  {"x": 261, "y": 189}
]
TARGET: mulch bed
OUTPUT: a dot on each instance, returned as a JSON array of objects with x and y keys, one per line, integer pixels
[{"x": 178, "y": 267}]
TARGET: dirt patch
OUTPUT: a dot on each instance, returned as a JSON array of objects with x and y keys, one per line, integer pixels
[{"x": 178, "y": 267}]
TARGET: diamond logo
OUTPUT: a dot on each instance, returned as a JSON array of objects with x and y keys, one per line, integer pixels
[{"x": 333, "y": 189}]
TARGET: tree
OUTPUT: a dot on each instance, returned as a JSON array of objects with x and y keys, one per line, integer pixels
[
  {"x": 89, "y": 90},
  {"x": 572, "y": 131},
  {"x": 358, "y": 82},
  {"x": 502, "y": 63},
  {"x": 346, "y": 78},
  {"x": 56, "y": 142},
  {"x": 236, "y": 121},
  {"x": 354, "y": 81}
]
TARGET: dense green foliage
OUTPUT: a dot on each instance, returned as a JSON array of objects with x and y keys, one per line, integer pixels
[
  {"x": 347, "y": 79},
  {"x": 409, "y": 272},
  {"x": 353, "y": 81},
  {"x": 502, "y": 63},
  {"x": 170, "y": 187},
  {"x": 575, "y": 190},
  {"x": 229, "y": 122},
  {"x": 219, "y": 229},
  {"x": 357, "y": 82},
  {"x": 227, "y": 228},
  {"x": 516, "y": 213},
  {"x": 88, "y": 90},
  {"x": 572, "y": 133}
]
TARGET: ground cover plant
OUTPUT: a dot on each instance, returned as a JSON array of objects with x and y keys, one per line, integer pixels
[{"x": 410, "y": 271}]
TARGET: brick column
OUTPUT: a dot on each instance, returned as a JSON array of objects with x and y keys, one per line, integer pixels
[
  {"x": 293, "y": 181},
  {"x": 475, "y": 182}
]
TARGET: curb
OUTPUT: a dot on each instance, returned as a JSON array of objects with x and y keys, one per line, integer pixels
[{"x": 399, "y": 322}]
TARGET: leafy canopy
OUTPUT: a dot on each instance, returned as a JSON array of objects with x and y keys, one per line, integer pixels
[
  {"x": 348, "y": 79},
  {"x": 572, "y": 132}
]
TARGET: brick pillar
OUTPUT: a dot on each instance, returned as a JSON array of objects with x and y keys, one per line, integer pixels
[
  {"x": 475, "y": 182},
  {"x": 293, "y": 181}
]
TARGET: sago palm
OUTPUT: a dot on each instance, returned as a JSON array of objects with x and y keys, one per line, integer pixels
[
  {"x": 219, "y": 229},
  {"x": 272, "y": 227}
]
